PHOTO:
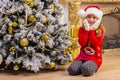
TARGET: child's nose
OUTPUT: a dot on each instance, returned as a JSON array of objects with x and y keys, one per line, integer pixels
[{"x": 91, "y": 19}]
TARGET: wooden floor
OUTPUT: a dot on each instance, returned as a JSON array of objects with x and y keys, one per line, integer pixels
[{"x": 110, "y": 70}]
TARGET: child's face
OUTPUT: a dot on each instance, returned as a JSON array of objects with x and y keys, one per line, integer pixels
[{"x": 91, "y": 19}]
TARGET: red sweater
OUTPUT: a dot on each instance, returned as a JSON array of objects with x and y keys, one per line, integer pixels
[{"x": 95, "y": 43}]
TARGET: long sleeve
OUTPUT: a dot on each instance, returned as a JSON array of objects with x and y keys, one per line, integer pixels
[
  {"x": 83, "y": 37},
  {"x": 96, "y": 40},
  {"x": 95, "y": 43}
]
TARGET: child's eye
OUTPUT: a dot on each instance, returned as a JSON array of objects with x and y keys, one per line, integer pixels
[
  {"x": 89, "y": 17},
  {"x": 94, "y": 17}
]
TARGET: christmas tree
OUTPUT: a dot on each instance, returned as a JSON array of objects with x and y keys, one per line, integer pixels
[{"x": 31, "y": 35}]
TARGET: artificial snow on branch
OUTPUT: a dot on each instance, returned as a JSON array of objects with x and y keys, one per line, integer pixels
[{"x": 31, "y": 35}]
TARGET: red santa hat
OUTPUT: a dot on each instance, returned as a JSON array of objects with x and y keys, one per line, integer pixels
[{"x": 95, "y": 10}]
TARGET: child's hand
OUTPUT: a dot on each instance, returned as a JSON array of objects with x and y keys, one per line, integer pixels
[
  {"x": 95, "y": 25},
  {"x": 86, "y": 25}
]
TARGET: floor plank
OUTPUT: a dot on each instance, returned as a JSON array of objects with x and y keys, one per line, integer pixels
[{"x": 110, "y": 70}]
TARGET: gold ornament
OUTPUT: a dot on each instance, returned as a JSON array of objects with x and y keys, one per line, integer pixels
[
  {"x": 46, "y": 19},
  {"x": 30, "y": 3},
  {"x": 10, "y": 30},
  {"x": 67, "y": 49},
  {"x": 12, "y": 49},
  {"x": 52, "y": 7},
  {"x": 31, "y": 18},
  {"x": 46, "y": 37},
  {"x": 24, "y": 42},
  {"x": 14, "y": 24},
  {"x": 52, "y": 65},
  {"x": 16, "y": 67}
]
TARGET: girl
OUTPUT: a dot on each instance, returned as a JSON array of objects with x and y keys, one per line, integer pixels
[{"x": 90, "y": 38}]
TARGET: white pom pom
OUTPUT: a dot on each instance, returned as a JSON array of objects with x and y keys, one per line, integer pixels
[{"x": 81, "y": 13}]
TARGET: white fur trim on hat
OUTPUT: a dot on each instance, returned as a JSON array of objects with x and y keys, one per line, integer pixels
[
  {"x": 90, "y": 10},
  {"x": 94, "y": 11}
]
